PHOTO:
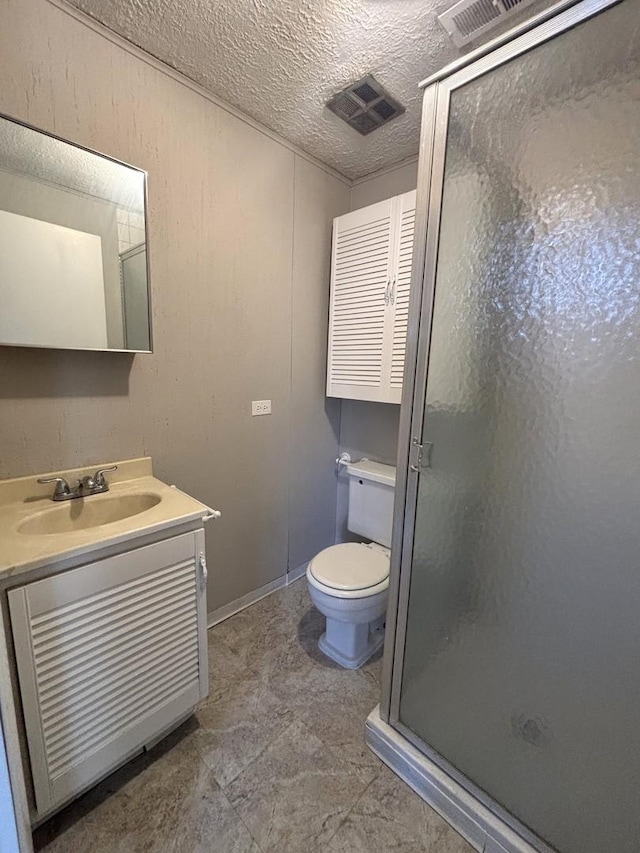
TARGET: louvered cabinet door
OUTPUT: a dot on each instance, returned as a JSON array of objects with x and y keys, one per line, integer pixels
[
  {"x": 401, "y": 287},
  {"x": 360, "y": 282},
  {"x": 109, "y": 656}
]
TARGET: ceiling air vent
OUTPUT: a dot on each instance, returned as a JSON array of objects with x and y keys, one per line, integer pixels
[
  {"x": 365, "y": 105},
  {"x": 467, "y": 20}
]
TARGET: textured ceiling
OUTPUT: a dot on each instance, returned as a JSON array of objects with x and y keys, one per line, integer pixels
[{"x": 280, "y": 60}]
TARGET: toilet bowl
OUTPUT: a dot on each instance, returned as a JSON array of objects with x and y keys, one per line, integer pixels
[{"x": 349, "y": 585}]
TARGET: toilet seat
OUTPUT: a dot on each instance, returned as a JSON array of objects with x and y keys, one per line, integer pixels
[{"x": 350, "y": 570}]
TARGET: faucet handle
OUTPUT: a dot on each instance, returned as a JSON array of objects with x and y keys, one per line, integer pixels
[
  {"x": 62, "y": 487},
  {"x": 99, "y": 479}
]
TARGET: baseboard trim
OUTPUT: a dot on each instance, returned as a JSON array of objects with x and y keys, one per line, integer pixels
[
  {"x": 233, "y": 607},
  {"x": 483, "y": 830},
  {"x": 244, "y": 601},
  {"x": 296, "y": 574}
]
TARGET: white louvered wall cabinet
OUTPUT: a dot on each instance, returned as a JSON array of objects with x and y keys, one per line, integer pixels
[
  {"x": 369, "y": 306},
  {"x": 109, "y": 656}
]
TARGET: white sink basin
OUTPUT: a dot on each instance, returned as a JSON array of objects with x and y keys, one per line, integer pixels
[{"x": 84, "y": 513}]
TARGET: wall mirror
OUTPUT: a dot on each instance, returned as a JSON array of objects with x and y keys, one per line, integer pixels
[{"x": 73, "y": 256}]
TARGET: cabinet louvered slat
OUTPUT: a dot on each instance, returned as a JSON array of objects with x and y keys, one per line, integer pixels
[
  {"x": 98, "y": 628},
  {"x": 370, "y": 283},
  {"x": 54, "y": 663},
  {"x": 80, "y": 694},
  {"x": 358, "y": 239},
  {"x": 406, "y": 226},
  {"x": 354, "y": 278},
  {"x": 65, "y": 751},
  {"x": 83, "y": 706},
  {"x": 108, "y": 656},
  {"x": 64, "y": 615},
  {"x": 76, "y": 679},
  {"x": 357, "y": 301},
  {"x": 359, "y": 281},
  {"x": 352, "y": 232}
]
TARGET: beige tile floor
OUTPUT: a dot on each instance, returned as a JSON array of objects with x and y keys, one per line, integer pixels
[{"x": 274, "y": 760}]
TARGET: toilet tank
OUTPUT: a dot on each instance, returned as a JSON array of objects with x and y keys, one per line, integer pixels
[{"x": 371, "y": 491}]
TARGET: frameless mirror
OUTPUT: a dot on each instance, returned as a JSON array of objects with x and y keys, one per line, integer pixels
[{"x": 73, "y": 256}]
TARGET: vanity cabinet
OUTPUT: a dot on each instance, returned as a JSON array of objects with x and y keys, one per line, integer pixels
[
  {"x": 369, "y": 306},
  {"x": 109, "y": 655}
]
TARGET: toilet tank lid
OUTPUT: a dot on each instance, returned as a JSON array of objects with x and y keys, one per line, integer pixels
[{"x": 375, "y": 471}]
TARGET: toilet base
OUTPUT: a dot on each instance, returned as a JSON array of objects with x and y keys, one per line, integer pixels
[{"x": 351, "y": 645}]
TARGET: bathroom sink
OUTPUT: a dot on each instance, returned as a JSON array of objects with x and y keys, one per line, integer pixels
[{"x": 84, "y": 513}]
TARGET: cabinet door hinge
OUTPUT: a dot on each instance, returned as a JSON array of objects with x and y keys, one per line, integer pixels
[{"x": 420, "y": 456}]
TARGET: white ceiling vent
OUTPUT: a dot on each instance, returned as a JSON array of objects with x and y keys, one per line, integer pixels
[
  {"x": 365, "y": 105},
  {"x": 467, "y": 20}
]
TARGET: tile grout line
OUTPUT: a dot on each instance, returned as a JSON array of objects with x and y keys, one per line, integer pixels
[
  {"x": 266, "y": 746},
  {"x": 253, "y": 760},
  {"x": 355, "y": 803},
  {"x": 299, "y": 719},
  {"x": 376, "y": 773},
  {"x": 260, "y": 754},
  {"x": 249, "y": 670},
  {"x": 210, "y": 772},
  {"x": 241, "y": 819}
]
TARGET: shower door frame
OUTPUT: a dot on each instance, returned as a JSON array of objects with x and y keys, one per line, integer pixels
[{"x": 433, "y": 142}]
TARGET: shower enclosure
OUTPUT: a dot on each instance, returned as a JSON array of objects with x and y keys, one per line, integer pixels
[{"x": 512, "y": 666}]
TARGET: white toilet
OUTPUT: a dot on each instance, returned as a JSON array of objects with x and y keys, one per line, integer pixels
[{"x": 349, "y": 583}]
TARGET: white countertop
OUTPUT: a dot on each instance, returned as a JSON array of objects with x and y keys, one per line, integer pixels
[{"x": 23, "y": 497}]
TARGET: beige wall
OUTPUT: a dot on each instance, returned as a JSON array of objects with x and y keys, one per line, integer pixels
[
  {"x": 371, "y": 429},
  {"x": 384, "y": 184},
  {"x": 239, "y": 236}
]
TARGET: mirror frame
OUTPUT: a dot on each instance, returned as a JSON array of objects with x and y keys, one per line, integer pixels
[{"x": 145, "y": 175}]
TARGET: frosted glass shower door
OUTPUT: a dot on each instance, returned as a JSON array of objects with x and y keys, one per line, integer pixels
[{"x": 521, "y": 666}]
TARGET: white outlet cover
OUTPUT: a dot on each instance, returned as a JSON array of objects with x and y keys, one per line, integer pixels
[{"x": 260, "y": 407}]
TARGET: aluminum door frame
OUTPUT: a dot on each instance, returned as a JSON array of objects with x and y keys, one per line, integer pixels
[{"x": 433, "y": 141}]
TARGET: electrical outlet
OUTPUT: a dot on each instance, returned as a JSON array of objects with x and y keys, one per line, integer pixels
[{"x": 260, "y": 407}]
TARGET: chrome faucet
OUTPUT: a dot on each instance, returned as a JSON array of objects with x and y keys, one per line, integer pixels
[{"x": 87, "y": 486}]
